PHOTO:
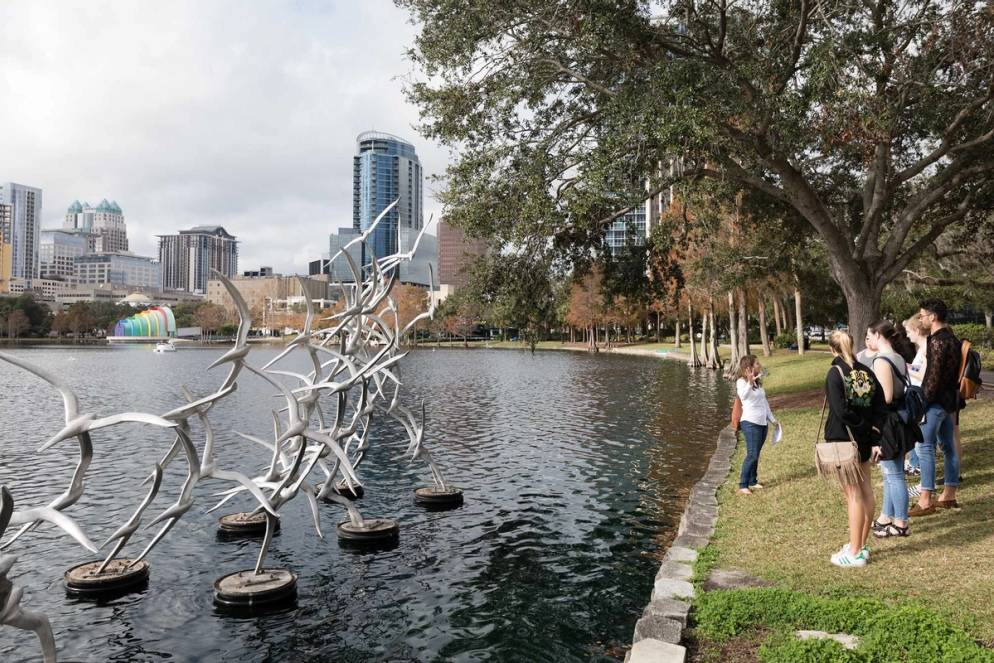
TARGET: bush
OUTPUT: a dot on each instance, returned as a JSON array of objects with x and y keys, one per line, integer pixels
[
  {"x": 785, "y": 340},
  {"x": 979, "y": 335}
]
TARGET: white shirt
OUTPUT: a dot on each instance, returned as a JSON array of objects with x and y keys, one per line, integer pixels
[
  {"x": 916, "y": 372},
  {"x": 755, "y": 407}
]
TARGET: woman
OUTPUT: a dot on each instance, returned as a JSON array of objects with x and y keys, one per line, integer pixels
[
  {"x": 917, "y": 333},
  {"x": 891, "y": 350},
  {"x": 854, "y": 401},
  {"x": 756, "y": 415}
]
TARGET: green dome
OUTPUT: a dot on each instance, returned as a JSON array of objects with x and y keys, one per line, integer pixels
[
  {"x": 104, "y": 206},
  {"x": 75, "y": 208}
]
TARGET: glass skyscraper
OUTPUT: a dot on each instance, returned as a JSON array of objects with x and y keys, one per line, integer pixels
[
  {"x": 386, "y": 168},
  {"x": 627, "y": 231}
]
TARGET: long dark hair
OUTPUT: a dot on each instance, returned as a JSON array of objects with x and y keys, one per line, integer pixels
[
  {"x": 897, "y": 338},
  {"x": 745, "y": 363}
]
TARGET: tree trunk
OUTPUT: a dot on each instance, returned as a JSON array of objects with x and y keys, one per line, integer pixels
[
  {"x": 743, "y": 324},
  {"x": 705, "y": 352},
  {"x": 764, "y": 335},
  {"x": 732, "y": 327},
  {"x": 988, "y": 318},
  {"x": 658, "y": 330},
  {"x": 776, "y": 315},
  {"x": 694, "y": 361},
  {"x": 714, "y": 338},
  {"x": 676, "y": 335},
  {"x": 800, "y": 322}
]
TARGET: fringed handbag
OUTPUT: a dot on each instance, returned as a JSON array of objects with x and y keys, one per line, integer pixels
[{"x": 838, "y": 460}]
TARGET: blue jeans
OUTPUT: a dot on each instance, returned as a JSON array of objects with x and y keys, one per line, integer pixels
[
  {"x": 755, "y": 436},
  {"x": 895, "y": 490},
  {"x": 938, "y": 431},
  {"x": 913, "y": 461}
]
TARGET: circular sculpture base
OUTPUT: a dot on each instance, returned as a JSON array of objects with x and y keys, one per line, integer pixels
[
  {"x": 353, "y": 493},
  {"x": 374, "y": 531},
  {"x": 244, "y": 590},
  {"x": 244, "y": 524},
  {"x": 118, "y": 578},
  {"x": 433, "y": 498}
]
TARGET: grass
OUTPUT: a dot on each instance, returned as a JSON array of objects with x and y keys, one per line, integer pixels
[{"x": 786, "y": 532}]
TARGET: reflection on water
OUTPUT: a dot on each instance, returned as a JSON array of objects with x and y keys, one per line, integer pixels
[{"x": 574, "y": 468}]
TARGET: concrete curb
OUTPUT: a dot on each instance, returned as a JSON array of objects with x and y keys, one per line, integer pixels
[{"x": 658, "y": 633}]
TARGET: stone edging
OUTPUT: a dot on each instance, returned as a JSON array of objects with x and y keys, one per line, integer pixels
[{"x": 659, "y": 631}]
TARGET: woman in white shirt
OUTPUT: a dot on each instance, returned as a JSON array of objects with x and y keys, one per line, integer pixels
[
  {"x": 918, "y": 334},
  {"x": 756, "y": 415}
]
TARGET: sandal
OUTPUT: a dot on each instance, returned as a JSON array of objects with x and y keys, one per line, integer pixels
[
  {"x": 879, "y": 527},
  {"x": 892, "y": 530}
]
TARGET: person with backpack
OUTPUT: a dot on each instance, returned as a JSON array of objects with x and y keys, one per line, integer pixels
[
  {"x": 942, "y": 396},
  {"x": 855, "y": 403},
  {"x": 754, "y": 420},
  {"x": 892, "y": 350}
]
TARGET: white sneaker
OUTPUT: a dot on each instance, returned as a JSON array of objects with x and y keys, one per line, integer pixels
[{"x": 844, "y": 559}]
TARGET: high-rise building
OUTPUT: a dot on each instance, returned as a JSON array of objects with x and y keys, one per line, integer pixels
[
  {"x": 103, "y": 224},
  {"x": 25, "y": 228},
  {"x": 456, "y": 255},
  {"x": 339, "y": 270},
  {"x": 6, "y": 249},
  {"x": 188, "y": 257},
  {"x": 57, "y": 252},
  {"x": 386, "y": 168},
  {"x": 124, "y": 269},
  {"x": 627, "y": 230}
]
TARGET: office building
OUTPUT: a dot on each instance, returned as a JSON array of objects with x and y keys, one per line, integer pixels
[
  {"x": 25, "y": 228},
  {"x": 456, "y": 255},
  {"x": 6, "y": 248},
  {"x": 188, "y": 257},
  {"x": 57, "y": 252},
  {"x": 124, "y": 269},
  {"x": 386, "y": 168},
  {"x": 262, "y": 271},
  {"x": 268, "y": 294},
  {"x": 103, "y": 225},
  {"x": 339, "y": 270}
]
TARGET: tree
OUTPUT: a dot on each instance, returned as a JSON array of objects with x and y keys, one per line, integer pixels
[
  {"x": 411, "y": 301},
  {"x": 872, "y": 121},
  {"x": 17, "y": 323},
  {"x": 209, "y": 317},
  {"x": 586, "y": 306}
]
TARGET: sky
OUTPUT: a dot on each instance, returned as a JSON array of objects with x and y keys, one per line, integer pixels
[{"x": 242, "y": 114}]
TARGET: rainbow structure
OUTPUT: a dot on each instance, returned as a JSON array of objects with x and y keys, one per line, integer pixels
[{"x": 156, "y": 322}]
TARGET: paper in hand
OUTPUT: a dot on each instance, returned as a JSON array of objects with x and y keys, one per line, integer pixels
[{"x": 778, "y": 433}]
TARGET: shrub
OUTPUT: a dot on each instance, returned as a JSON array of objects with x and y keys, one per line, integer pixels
[
  {"x": 785, "y": 340},
  {"x": 979, "y": 335}
]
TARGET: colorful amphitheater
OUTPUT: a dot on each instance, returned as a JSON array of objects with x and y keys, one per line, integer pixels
[{"x": 155, "y": 323}]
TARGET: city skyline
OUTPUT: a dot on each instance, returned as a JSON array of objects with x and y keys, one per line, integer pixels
[{"x": 217, "y": 118}]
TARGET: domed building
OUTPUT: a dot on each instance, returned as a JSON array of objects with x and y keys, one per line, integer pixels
[{"x": 104, "y": 225}]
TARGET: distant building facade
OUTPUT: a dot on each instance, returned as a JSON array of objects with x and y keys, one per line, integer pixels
[
  {"x": 188, "y": 257},
  {"x": 386, "y": 168},
  {"x": 627, "y": 231},
  {"x": 6, "y": 248},
  {"x": 266, "y": 294},
  {"x": 24, "y": 227},
  {"x": 456, "y": 255},
  {"x": 103, "y": 225},
  {"x": 339, "y": 270},
  {"x": 57, "y": 253},
  {"x": 125, "y": 269}
]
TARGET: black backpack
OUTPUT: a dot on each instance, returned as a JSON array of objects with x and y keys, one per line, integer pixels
[{"x": 911, "y": 407}]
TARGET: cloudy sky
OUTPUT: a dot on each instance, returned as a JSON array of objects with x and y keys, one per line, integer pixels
[{"x": 195, "y": 112}]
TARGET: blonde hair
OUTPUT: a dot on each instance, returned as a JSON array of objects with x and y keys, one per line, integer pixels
[
  {"x": 915, "y": 323},
  {"x": 841, "y": 342}
]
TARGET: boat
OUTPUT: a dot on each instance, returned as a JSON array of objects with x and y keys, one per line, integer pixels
[{"x": 165, "y": 346}]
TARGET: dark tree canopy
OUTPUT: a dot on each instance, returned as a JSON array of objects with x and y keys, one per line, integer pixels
[{"x": 872, "y": 120}]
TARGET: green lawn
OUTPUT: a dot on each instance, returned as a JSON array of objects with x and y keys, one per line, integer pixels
[{"x": 787, "y": 531}]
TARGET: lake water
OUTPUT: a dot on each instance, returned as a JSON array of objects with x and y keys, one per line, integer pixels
[{"x": 574, "y": 469}]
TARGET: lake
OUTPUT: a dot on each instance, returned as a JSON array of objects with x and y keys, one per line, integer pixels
[{"x": 574, "y": 469}]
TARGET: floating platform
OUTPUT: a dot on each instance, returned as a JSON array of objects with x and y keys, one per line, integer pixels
[{"x": 120, "y": 577}]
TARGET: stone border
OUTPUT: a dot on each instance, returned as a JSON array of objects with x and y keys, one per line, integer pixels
[{"x": 659, "y": 631}]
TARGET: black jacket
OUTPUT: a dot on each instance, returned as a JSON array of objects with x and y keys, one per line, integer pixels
[
  {"x": 841, "y": 413},
  {"x": 941, "y": 381}
]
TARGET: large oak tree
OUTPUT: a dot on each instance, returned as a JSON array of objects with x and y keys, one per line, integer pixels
[{"x": 872, "y": 119}]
